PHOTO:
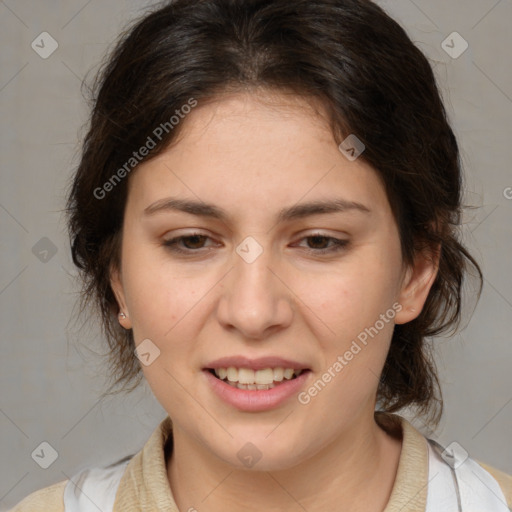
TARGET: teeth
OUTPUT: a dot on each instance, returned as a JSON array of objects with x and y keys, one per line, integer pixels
[
  {"x": 250, "y": 386},
  {"x": 232, "y": 374},
  {"x": 288, "y": 373},
  {"x": 246, "y": 378},
  {"x": 265, "y": 376},
  {"x": 278, "y": 374}
]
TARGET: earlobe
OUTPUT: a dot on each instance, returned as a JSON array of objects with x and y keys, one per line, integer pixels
[
  {"x": 417, "y": 283},
  {"x": 117, "y": 287}
]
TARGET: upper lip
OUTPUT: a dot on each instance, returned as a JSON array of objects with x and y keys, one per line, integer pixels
[{"x": 259, "y": 363}]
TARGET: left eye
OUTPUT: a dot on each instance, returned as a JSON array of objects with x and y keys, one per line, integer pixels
[{"x": 319, "y": 243}]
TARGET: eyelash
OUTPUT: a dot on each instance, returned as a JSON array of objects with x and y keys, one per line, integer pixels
[{"x": 338, "y": 244}]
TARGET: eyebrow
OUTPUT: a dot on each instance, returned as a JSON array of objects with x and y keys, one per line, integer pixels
[{"x": 297, "y": 211}]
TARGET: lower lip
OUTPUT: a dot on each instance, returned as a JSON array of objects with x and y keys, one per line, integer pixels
[{"x": 254, "y": 400}]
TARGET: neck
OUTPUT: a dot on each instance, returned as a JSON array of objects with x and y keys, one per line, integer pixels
[{"x": 355, "y": 472}]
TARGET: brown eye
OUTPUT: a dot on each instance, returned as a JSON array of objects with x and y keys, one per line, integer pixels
[
  {"x": 318, "y": 241},
  {"x": 319, "y": 244},
  {"x": 187, "y": 244},
  {"x": 194, "y": 241}
]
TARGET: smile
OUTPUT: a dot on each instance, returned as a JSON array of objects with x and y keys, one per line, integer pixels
[{"x": 252, "y": 396}]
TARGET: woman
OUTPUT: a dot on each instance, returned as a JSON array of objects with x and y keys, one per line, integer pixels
[{"x": 265, "y": 214}]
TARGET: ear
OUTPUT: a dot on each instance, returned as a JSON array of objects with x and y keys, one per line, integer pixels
[
  {"x": 416, "y": 284},
  {"x": 118, "y": 289}
]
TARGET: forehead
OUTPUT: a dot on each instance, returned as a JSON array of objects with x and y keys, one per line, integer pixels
[{"x": 257, "y": 150}]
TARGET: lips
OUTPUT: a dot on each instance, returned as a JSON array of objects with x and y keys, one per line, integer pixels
[
  {"x": 246, "y": 391},
  {"x": 255, "y": 364}
]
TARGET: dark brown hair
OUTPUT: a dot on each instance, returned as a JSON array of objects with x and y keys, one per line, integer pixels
[{"x": 372, "y": 81}]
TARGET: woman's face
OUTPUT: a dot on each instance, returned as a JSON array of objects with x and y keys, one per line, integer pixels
[{"x": 292, "y": 262}]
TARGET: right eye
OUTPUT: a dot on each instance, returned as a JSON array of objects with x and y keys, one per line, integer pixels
[{"x": 192, "y": 243}]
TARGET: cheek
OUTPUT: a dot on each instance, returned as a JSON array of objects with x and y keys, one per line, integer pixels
[
  {"x": 351, "y": 304},
  {"x": 159, "y": 294},
  {"x": 350, "y": 301},
  {"x": 352, "y": 296},
  {"x": 165, "y": 306}
]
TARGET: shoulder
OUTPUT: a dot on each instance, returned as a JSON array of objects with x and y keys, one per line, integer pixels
[
  {"x": 504, "y": 481},
  {"x": 48, "y": 499}
]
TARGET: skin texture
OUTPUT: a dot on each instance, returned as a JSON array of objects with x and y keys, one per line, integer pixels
[{"x": 252, "y": 155}]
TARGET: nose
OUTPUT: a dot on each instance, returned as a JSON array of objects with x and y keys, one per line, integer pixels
[{"x": 255, "y": 300}]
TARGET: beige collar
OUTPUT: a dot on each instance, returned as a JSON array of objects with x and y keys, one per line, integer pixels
[{"x": 409, "y": 493}]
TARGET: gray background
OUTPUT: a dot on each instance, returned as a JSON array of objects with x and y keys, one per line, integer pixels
[{"x": 49, "y": 370}]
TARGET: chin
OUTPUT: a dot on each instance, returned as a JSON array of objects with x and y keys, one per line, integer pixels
[{"x": 258, "y": 453}]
